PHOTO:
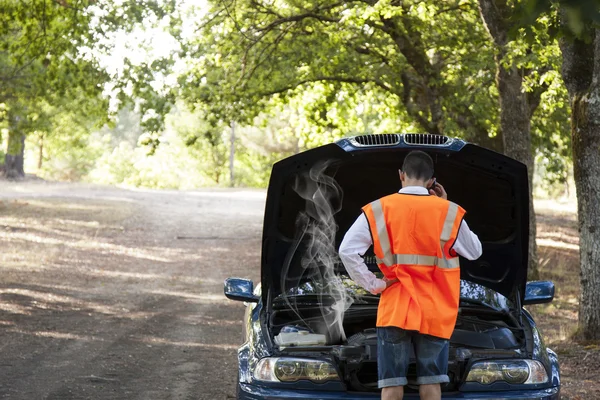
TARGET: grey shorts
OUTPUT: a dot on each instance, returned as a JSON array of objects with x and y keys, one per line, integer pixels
[{"x": 393, "y": 357}]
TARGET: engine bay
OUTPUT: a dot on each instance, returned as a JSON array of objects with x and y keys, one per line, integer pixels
[{"x": 480, "y": 332}]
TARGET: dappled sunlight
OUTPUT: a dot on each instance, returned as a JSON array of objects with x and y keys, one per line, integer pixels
[
  {"x": 558, "y": 256},
  {"x": 45, "y": 300},
  {"x": 559, "y": 237},
  {"x": 556, "y": 207},
  {"x": 556, "y": 244},
  {"x": 12, "y": 308},
  {"x": 28, "y": 301},
  {"x": 139, "y": 275},
  {"x": 65, "y": 228},
  {"x": 62, "y": 194},
  {"x": 57, "y": 335},
  {"x": 202, "y": 298},
  {"x": 260, "y": 194},
  {"x": 49, "y": 231},
  {"x": 85, "y": 224},
  {"x": 202, "y": 319},
  {"x": 167, "y": 342},
  {"x": 100, "y": 289},
  {"x": 560, "y": 334},
  {"x": 64, "y": 206},
  {"x": 102, "y": 247},
  {"x": 62, "y": 228},
  {"x": 24, "y": 266},
  {"x": 557, "y": 320}
]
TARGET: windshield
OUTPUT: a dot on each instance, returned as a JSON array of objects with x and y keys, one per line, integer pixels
[{"x": 312, "y": 292}]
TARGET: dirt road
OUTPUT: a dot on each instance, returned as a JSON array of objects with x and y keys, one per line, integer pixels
[{"x": 117, "y": 294}]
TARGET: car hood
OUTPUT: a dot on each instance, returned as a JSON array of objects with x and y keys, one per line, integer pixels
[{"x": 315, "y": 196}]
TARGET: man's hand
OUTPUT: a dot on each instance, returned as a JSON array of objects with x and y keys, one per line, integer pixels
[
  {"x": 389, "y": 282},
  {"x": 439, "y": 191},
  {"x": 380, "y": 288}
]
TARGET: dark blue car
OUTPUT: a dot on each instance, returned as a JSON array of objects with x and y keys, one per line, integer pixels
[{"x": 309, "y": 330}]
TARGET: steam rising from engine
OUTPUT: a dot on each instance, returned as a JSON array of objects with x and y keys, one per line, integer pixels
[{"x": 315, "y": 244}]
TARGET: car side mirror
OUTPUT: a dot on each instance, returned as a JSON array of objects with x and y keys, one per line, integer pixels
[
  {"x": 538, "y": 292},
  {"x": 240, "y": 290}
]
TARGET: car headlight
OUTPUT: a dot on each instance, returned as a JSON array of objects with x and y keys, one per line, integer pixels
[
  {"x": 284, "y": 369},
  {"x": 510, "y": 371}
]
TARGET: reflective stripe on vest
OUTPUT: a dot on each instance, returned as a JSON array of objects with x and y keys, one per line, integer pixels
[
  {"x": 384, "y": 239},
  {"x": 418, "y": 259},
  {"x": 390, "y": 258}
]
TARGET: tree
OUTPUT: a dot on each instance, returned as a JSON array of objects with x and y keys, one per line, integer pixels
[
  {"x": 38, "y": 60},
  {"x": 577, "y": 23},
  {"x": 251, "y": 50},
  {"x": 581, "y": 73},
  {"x": 517, "y": 105},
  {"x": 49, "y": 50}
]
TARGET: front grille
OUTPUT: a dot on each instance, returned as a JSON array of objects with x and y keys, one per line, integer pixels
[
  {"x": 386, "y": 139},
  {"x": 393, "y": 139},
  {"x": 432, "y": 140}
]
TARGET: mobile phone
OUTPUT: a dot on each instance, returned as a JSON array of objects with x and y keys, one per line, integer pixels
[{"x": 432, "y": 187}]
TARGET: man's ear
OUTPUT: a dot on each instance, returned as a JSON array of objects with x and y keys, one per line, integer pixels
[{"x": 402, "y": 175}]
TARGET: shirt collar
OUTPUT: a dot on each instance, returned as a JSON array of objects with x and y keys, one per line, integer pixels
[{"x": 414, "y": 190}]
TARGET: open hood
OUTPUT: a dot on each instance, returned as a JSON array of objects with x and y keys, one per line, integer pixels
[{"x": 314, "y": 197}]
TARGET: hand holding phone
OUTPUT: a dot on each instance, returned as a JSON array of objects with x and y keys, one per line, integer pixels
[
  {"x": 432, "y": 187},
  {"x": 436, "y": 189}
]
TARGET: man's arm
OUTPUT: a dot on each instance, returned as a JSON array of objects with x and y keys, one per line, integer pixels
[
  {"x": 356, "y": 242},
  {"x": 467, "y": 243}
]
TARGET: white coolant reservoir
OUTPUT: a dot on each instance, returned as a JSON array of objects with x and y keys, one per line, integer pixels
[{"x": 301, "y": 338}]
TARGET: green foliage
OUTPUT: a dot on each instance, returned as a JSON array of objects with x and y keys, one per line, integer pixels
[
  {"x": 291, "y": 75},
  {"x": 417, "y": 57},
  {"x": 426, "y": 66},
  {"x": 50, "y": 53},
  {"x": 129, "y": 157},
  {"x": 64, "y": 141}
]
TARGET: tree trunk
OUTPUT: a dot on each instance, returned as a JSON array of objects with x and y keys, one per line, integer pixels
[
  {"x": 515, "y": 126},
  {"x": 515, "y": 112},
  {"x": 581, "y": 73},
  {"x": 232, "y": 155},
  {"x": 13, "y": 161},
  {"x": 41, "y": 152}
]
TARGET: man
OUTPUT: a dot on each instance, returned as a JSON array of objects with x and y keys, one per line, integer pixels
[{"x": 417, "y": 235}]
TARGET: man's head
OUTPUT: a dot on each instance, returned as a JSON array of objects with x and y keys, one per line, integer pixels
[{"x": 417, "y": 169}]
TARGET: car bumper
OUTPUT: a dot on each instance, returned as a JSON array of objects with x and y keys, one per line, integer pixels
[{"x": 253, "y": 392}]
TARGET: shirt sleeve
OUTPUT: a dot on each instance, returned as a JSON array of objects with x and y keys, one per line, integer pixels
[
  {"x": 467, "y": 243},
  {"x": 354, "y": 245}
]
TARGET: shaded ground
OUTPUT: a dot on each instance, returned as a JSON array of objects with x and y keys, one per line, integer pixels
[
  {"x": 99, "y": 299},
  {"x": 558, "y": 250},
  {"x": 117, "y": 294}
]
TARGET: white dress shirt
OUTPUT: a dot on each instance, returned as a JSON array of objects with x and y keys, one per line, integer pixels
[{"x": 358, "y": 240}]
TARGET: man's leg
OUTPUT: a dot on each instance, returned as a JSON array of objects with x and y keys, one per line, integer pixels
[
  {"x": 393, "y": 352},
  {"x": 430, "y": 392},
  {"x": 432, "y": 365},
  {"x": 392, "y": 393}
]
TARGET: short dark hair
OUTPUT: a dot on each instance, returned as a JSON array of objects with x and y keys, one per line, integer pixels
[{"x": 418, "y": 165}]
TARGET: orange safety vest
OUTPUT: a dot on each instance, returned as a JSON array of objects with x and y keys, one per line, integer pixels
[{"x": 413, "y": 237}]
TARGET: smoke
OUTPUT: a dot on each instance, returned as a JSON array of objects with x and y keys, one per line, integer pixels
[{"x": 317, "y": 229}]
